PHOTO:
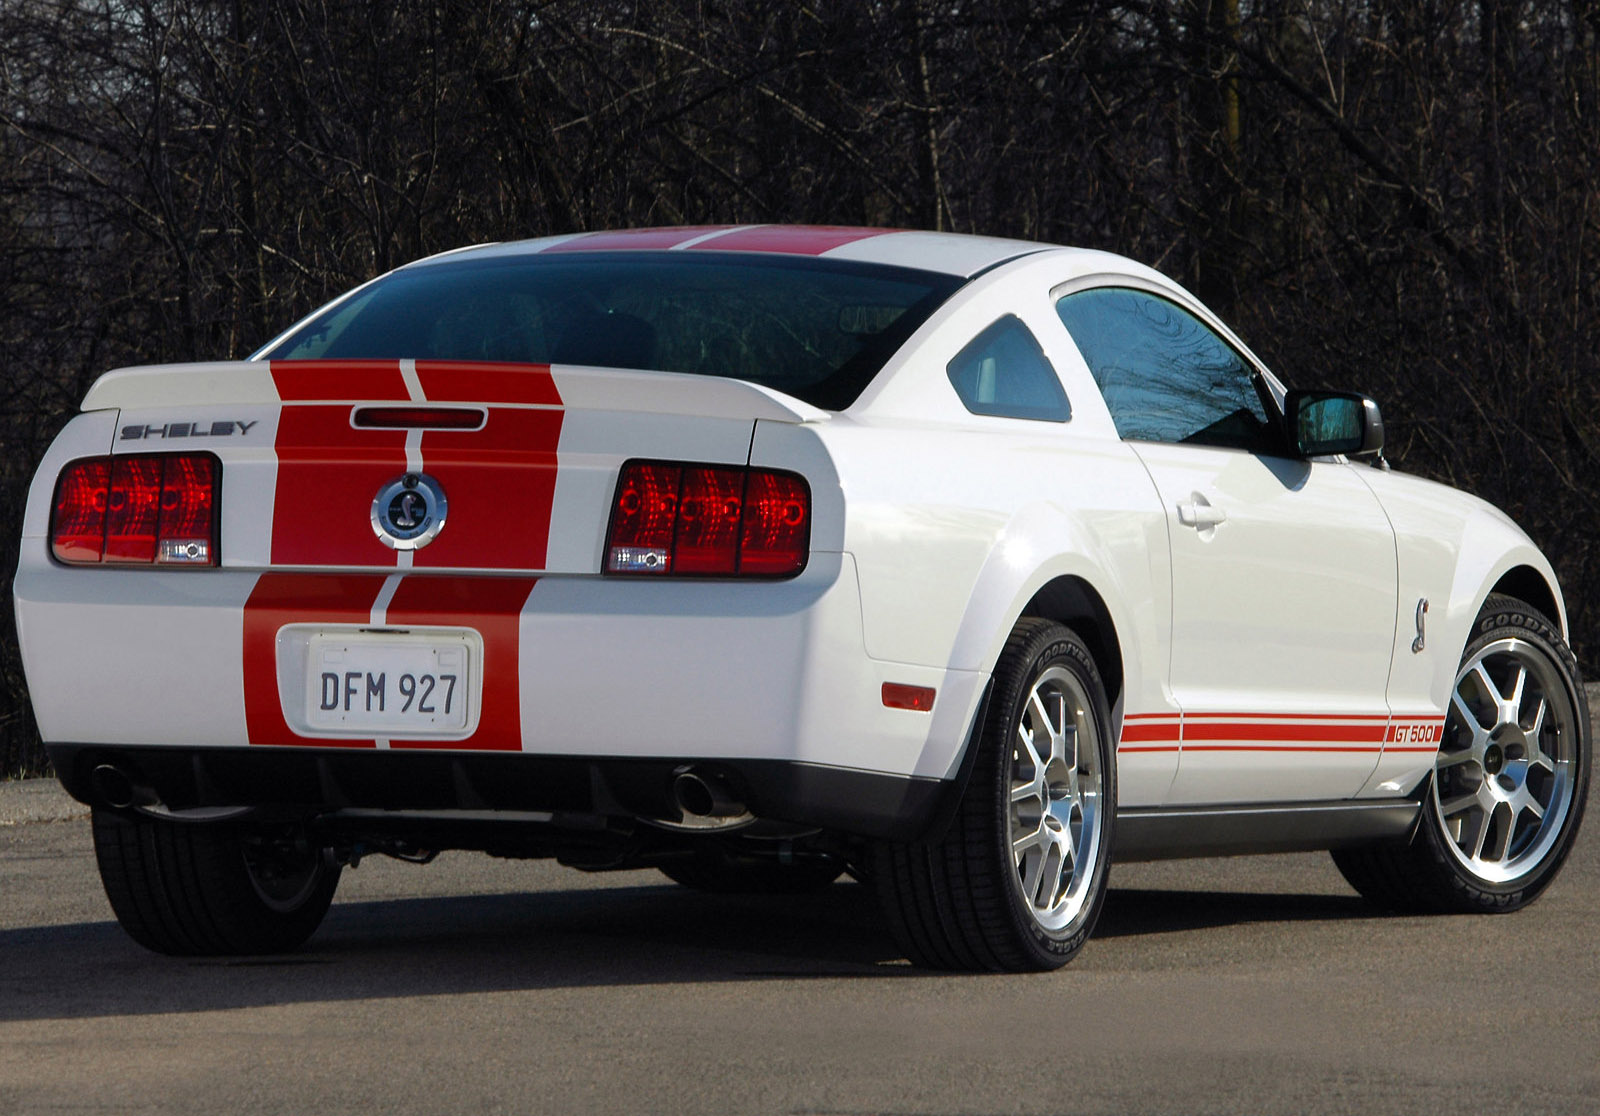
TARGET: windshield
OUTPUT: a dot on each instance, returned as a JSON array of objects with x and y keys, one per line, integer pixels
[{"x": 818, "y": 330}]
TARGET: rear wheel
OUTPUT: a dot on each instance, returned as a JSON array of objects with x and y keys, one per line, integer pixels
[
  {"x": 1018, "y": 881},
  {"x": 193, "y": 889},
  {"x": 1509, "y": 781}
]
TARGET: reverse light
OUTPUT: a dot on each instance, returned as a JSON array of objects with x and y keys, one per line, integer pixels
[
  {"x": 137, "y": 510},
  {"x": 708, "y": 521}
]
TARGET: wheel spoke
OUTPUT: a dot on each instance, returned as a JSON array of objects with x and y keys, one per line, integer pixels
[
  {"x": 1454, "y": 806},
  {"x": 1503, "y": 834},
  {"x": 1465, "y": 710},
  {"x": 1481, "y": 834},
  {"x": 1514, "y": 699},
  {"x": 1025, "y": 735},
  {"x": 1447, "y": 760},
  {"x": 1537, "y": 727}
]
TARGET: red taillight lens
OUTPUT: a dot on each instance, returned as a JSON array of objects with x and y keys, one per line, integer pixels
[
  {"x": 707, "y": 538},
  {"x": 777, "y": 525},
  {"x": 78, "y": 523},
  {"x": 642, "y": 519},
  {"x": 708, "y": 521},
  {"x": 137, "y": 510}
]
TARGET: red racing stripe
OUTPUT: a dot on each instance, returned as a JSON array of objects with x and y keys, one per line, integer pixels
[
  {"x": 486, "y": 382},
  {"x": 634, "y": 239},
  {"x": 1235, "y": 730},
  {"x": 328, "y": 474},
  {"x": 493, "y": 607},
  {"x": 280, "y": 599},
  {"x": 795, "y": 240},
  {"x": 500, "y": 482},
  {"x": 309, "y": 381}
]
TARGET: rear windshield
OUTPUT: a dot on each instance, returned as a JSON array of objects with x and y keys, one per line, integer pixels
[{"x": 818, "y": 330}]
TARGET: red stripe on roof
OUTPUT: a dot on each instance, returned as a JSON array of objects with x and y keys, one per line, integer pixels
[
  {"x": 486, "y": 382},
  {"x": 634, "y": 239},
  {"x": 302, "y": 381},
  {"x": 796, "y": 240},
  {"x": 279, "y": 599}
]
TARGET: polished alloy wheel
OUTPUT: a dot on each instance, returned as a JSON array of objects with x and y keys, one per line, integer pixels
[
  {"x": 1053, "y": 822},
  {"x": 1503, "y": 781}
]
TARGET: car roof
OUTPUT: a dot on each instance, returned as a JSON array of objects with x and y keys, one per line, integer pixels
[{"x": 949, "y": 253}]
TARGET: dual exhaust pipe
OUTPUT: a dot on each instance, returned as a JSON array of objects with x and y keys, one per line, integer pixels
[
  {"x": 122, "y": 789},
  {"x": 704, "y": 801}
]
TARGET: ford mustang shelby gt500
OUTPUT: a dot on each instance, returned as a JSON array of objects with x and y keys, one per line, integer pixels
[{"x": 762, "y": 554}]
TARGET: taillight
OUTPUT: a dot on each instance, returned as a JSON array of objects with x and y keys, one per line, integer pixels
[
  {"x": 137, "y": 510},
  {"x": 708, "y": 521}
]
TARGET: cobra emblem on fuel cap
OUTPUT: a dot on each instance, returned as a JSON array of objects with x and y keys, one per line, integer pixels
[{"x": 408, "y": 512}]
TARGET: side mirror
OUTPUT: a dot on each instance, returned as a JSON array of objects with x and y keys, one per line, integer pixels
[{"x": 1322, "y": 423}]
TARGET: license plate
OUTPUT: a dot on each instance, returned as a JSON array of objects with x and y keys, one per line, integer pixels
[{"x": 389, "y": 685}]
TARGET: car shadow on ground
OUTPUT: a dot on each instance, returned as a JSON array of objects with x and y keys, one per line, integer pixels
[{"x": 639, "y": 935}]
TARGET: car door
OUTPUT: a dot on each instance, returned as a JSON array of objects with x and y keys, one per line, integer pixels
[{"x": 1283, "y": 570}]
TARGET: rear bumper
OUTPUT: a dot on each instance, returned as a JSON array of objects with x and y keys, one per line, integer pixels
[
  {"x": 313, "y": 781},
  {"x": 576, "y": 668}
]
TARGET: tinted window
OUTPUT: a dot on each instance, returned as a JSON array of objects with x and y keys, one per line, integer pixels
[
  {"x": 1003, "y": 372},
  {"x": 816, "y": 329},
  {"x": 1165, "y": 375}
]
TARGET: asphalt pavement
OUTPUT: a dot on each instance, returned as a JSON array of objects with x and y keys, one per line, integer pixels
[{"x": 475, "y": 985}]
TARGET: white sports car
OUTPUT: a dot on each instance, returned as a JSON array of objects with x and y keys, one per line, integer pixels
[{"x": 763, "y": 554}]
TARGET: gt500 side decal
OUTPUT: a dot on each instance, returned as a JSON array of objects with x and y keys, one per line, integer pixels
[{"x": 1227, "y": 732}]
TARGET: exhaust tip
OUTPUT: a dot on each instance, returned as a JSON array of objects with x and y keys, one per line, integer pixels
[
  {"x": 705, "y": 802},
  {"x": 119, "y": 789}
]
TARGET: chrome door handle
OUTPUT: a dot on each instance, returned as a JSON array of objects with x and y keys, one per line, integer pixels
[{"x": 1197, "y": 513}]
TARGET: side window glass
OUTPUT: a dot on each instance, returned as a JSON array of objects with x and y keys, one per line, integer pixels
[
  {"x": 1004, "y": 372},
  {"x": 1165, "y": 376}
]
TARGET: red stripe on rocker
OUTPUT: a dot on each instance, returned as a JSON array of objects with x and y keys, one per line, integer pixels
[
  {"x": 493, "y": 607},
  {"x": 1255, "y": 730},
  {"x": 280, "y": 599},
  {"x": 302, "y": 381}
]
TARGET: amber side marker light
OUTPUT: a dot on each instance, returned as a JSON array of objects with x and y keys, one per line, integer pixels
[
  {"x": 137, "y": 510},
  {"x": 898, "y": 695}
]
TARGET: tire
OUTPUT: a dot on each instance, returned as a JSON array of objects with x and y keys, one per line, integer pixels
[
  {"x": 723, "y": 873},
  {"x": 191, "y": 889},
  {"x": 1510, "y": 780},
  {"x": 1018, "y": 881}
]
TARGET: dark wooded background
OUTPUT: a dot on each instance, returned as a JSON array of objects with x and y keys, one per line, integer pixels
[{"x": 1398, "y": 198}]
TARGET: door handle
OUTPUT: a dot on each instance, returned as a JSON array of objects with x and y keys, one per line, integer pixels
[{"x": 1197, "y": 513}]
